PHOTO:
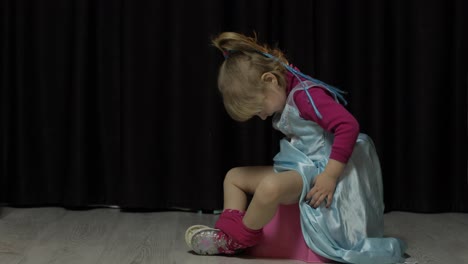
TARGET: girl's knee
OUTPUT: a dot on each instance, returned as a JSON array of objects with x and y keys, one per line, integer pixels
[
  {"x": 269, "y": 190},
  {"x": 247, "y": 178},
  {"x": 232, "y": 175}
]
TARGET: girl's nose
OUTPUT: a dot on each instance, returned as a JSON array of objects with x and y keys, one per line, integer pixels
[{"x": 262, "y": 116}]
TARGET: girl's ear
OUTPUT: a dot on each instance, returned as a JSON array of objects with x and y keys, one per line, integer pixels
[{"x": 269, "y": 78}]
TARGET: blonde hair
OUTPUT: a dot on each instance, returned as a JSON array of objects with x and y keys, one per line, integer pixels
[{"x": 239, "y": 78}]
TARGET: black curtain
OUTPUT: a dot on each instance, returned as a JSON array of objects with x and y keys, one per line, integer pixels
[{"x": 115, "y": 102}]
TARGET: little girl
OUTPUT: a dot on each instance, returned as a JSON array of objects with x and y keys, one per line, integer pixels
[{"x": 324, "y": 163}]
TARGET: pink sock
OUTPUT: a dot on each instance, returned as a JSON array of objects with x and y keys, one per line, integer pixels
[{"x": 230, "y": 222}]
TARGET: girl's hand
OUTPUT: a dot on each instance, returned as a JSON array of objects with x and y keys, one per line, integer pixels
[
  {"x": 325, "y": 184},
  {"x": 324, "y": 188}
]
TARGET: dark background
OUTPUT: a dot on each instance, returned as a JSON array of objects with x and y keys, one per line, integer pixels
[{"x": 115, "y": 102}]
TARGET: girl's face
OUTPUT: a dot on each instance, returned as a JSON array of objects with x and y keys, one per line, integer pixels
[{"x": 275, "y": 99}]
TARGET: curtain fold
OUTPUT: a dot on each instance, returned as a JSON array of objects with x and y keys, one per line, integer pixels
[{"x": 115, "y": 103}]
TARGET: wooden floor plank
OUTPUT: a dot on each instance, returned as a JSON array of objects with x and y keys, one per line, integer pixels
[
  {"x": 141, "y": 238},
  {"x": 432, "y": 238},
  {"x": 109, "y": 236},
  {"x": 78, "y": 237},
  {"x": 20, "y": 227}
]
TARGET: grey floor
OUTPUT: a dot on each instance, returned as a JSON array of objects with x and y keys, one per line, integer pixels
[{"x": 55, "y": 235}]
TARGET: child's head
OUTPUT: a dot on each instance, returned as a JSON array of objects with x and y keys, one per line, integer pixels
[{"x": 245, "y": 73}]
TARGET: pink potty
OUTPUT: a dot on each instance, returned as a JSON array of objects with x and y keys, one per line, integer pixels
[{"x": 282, "y": 238}]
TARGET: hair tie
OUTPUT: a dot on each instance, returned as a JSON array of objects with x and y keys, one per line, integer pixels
[
  {"x": 333, "y": 90},
  {"x": 228, "y": 53}
]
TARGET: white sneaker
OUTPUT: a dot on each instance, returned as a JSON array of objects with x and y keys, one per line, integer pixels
[{"x": 190, "y": 231}]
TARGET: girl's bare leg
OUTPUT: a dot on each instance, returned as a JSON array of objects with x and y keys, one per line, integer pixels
[
  {"x": 269, "y": 188},
  {"x": 240, "y": 182}
]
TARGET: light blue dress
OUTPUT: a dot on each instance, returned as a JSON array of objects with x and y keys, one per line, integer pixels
[{"x": 351, "y": 230}]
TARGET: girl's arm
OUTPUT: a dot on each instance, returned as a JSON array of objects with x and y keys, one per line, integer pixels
[{"x": 337, "y": 120}]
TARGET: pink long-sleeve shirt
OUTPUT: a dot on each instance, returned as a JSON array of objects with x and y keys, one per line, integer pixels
[{"x": 335, "y": 118}]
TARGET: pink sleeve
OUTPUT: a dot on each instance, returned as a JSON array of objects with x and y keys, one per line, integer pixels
[{"x": 335, "y": 119}]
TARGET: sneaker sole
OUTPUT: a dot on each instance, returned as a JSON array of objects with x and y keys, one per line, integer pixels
[
  {"x": 203, "y": 241},
  {"x": 190, "y": 232}
]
